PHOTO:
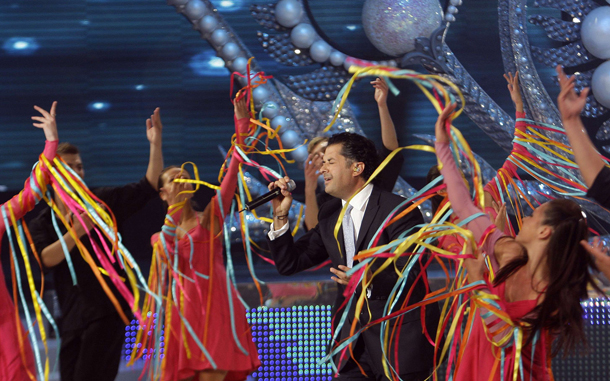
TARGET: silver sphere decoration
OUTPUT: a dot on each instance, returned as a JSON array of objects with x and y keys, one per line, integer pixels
[
  {"x": 290, "y": 138},
  {"x": 220, "y": 37},
  {"x": 279, "y": 121},
  {"x": 208, "y": 24},
  {"x": 320, "y": 51},
  {"x": 600, "y": 84},
  {"x": 337, "y": 58},
  {"x": 393, "y": 25},
  {"x": 455, "y": 3},
  {"x": 195, "y": 9},
  {"x": 288, "y": 13},
  {"x": 300, "y": 154},
  {"x": 260, "y": 95},
  {"x": 240, "y": 65},
  {"x": 595, "y": 32},
  {"x": 230, "y": 51},
  {"x": 303, "y": 35},
  {"x": 270, "y": 110}
]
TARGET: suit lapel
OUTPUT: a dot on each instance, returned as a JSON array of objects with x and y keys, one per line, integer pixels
[
  {"x": 337, "y": 255},
  {"x": 369, "y": 217}
]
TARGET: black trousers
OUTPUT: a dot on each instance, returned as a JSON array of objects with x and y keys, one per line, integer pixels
[
  {"x": 372, "y": 367},
  {"x": 92, "y": 353}
]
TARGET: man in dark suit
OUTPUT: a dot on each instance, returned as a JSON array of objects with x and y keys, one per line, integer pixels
[{"x": 349, "y": 161}]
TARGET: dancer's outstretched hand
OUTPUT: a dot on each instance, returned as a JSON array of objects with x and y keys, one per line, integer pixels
[
  {"x": 513, "y": 88},
  {"x": 569, "y": 103},
  {"x": 599, "y": 254},
  {"x": 47, "y": 122},
  {"x": 441, "y": 133},
  {"x": 154, "y": 127},
  {"x": 241, "y": 108},
  {"x": 381, "y": 90}
]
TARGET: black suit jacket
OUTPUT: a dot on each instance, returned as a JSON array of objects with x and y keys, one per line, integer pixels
[{"x": 319, "y": 244}]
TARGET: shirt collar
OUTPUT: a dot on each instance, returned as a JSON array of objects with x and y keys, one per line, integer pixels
[{"x": 360, "y": 199}]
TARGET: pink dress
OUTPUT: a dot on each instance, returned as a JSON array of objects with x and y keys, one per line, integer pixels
[
  {"x": 480, "y": 355},
  {"x": 17, "y": 364}
]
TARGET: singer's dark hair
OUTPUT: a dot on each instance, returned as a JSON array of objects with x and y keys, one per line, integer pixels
[{"x": 357, "y": 149}]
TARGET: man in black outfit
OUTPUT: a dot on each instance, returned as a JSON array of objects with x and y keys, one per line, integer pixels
[
  {"x": 92, "y": 333},
  {"x": 349, "y": 161}
]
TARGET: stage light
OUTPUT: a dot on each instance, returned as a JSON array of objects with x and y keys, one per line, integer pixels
[
  {"x": 20, "y": 46},
  {"x": 98, "y": 106}
]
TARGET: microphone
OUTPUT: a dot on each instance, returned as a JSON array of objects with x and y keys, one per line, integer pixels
[{"x": 260, "y": 200}]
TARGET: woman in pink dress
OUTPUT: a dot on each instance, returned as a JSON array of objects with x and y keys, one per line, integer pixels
[
  {"x": 16, "y": 356},
  {"x": 541, "y": 275},
  {"x": 210, "y": 304}
]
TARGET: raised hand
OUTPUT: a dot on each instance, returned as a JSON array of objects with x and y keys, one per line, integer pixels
[
  {"x": 312, "y": 171},
  {"x": 500, "y": 220},
  {"x": 513, "y": 88},
  {"x": 154, "y": 127},
  {"x": 569, "y": 103},
  {"x": 241, "y": 108},
  {"x": 441, "y": 133},
  {"x": 381, "y": 90},
  {"x": 599, "y": 254},
  {"x": 47, "y": 122}
]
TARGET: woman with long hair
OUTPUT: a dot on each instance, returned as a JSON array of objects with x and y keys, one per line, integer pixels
[
  {"x": 16, "y": 356},
  {"x": 204, "y": 310},
  {"x": 536, "y": 282}
]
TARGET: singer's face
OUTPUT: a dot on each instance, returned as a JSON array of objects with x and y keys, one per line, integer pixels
[
  {"x": 170, "y": 191},
  {"x": 339, "y": 180}
]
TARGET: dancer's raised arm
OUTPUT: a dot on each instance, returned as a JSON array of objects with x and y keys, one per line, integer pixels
[
  {"x": 462, "y": 204},
  {"x": 26, "y": 199},
  {"x": 570, "y": 106}
]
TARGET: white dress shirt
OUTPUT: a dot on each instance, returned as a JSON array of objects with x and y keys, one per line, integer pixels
[{"x": 358, "y": 202}]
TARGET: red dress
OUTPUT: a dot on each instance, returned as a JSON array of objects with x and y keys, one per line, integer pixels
[
  {"x": 481, "y": 358},
  {"x": 17, "y": 364},
  {"x": 218, "y": 339}
]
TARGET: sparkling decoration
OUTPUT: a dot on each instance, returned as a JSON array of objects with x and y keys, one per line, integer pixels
[
  {"x": 288, "y": 13},
  {"x": 393, "y": 25},
  {"x": 322, "y": 84},
  {"x": 300, "y": 154},
  {"x": 260, "y": 95},
  {"x": 600, "y": 84},
  {"x": 265, "y": 16},
  {"x": 220, "y": 37},
  {"x": 282, "y": 50},
  {"x": 240, "y": 65},
  {"x": 208, "y": 24},
  {"x": 558, "y": 30},
  {"x": 270, "y": 110},
  {"x": 320, "y": 51},
  {"x": 290, "y": 138},
  {"x": 279, "y": 121},
  {"x": 230, "y": 51},
  {"x": 303, "y": 35},
  {"x": 337, "y": 58},
  {"x": 596, "y": 32},
  {"x": 195, "y": 9}
]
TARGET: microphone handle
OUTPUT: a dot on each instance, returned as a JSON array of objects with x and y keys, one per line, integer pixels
[{"x": 263, "y": 199}]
